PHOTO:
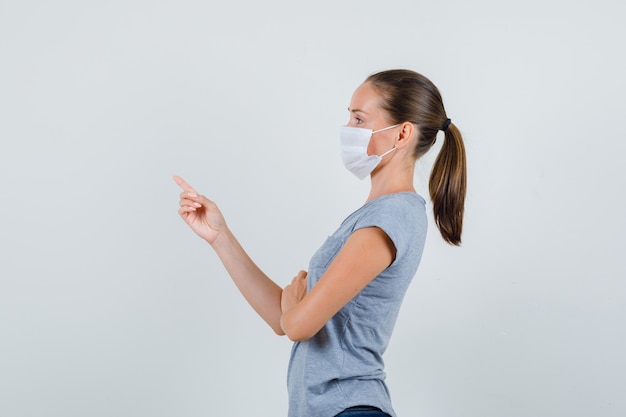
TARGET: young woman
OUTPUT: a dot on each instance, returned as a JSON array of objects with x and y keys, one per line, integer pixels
[{"x": 341, "y": 313}]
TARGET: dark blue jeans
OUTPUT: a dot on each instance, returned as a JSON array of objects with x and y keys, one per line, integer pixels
[{"x": 362, "y": 411}]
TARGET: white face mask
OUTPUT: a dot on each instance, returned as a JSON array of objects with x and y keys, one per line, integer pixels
[{"x": 354, "y": 141}]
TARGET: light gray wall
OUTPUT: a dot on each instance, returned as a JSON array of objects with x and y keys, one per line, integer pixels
[{"x": 109, "y": 305}]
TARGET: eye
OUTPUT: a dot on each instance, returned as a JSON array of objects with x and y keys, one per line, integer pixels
[{"x": 355, "y": 120}]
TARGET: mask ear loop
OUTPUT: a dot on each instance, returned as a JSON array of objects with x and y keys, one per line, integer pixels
[
  {"x": 388, "y": 152},
  {"x": 384, "y": 128},
  {"x": 380, "y": 130}
]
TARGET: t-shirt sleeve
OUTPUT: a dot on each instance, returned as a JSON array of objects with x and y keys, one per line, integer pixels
[{"x": 398, "y": 218}]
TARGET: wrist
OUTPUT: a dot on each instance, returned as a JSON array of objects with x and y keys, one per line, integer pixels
[{"x": 222, "y": 239}]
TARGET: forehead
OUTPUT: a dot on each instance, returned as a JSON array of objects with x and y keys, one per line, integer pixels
[{"x": 365, "y": 99}]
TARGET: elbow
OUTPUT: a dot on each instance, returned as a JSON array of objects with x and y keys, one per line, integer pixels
[
  {"x": 278, "y": 330},
  {"x": 296, "y": 330},
  {"x": 298, "y": 336}
]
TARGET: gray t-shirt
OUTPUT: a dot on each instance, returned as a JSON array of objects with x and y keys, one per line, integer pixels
[{"x": 342, "y": 365}]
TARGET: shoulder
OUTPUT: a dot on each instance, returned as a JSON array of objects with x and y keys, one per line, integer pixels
[
  {"x": 405, "y": 207},
  {"x": 401, "y": 216}
]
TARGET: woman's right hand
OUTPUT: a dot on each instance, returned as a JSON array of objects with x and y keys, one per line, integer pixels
[{"x": 200, "y": 213}]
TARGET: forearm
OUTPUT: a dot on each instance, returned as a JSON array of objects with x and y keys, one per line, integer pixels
[
  {"x": 365, "y": 254},
  {"x": 263, "y": 294}
]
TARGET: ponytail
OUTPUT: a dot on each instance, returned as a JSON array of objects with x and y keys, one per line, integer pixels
[
  {"x": 447, "y": 184},
  {"x": 409, "y": 96}
]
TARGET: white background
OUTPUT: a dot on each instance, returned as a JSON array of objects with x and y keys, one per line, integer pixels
[{"x": 110, "y": 306}]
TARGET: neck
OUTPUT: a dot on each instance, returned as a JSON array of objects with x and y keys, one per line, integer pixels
[{"x": 391, "y": 179}]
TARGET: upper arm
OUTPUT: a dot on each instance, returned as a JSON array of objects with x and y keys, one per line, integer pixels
[{"x": 366, "y": 253}]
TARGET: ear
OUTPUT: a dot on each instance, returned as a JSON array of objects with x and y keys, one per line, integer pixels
[{"x": 407, "y": 132}]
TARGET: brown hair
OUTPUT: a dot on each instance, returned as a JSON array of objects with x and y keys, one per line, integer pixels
[{"x": 410, "y": 97}]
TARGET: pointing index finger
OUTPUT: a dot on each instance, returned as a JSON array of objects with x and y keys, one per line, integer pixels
[{"x": 183, "y": 184}]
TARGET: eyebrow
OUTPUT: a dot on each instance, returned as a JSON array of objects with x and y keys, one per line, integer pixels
[{"x": 356, "y": 110}]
